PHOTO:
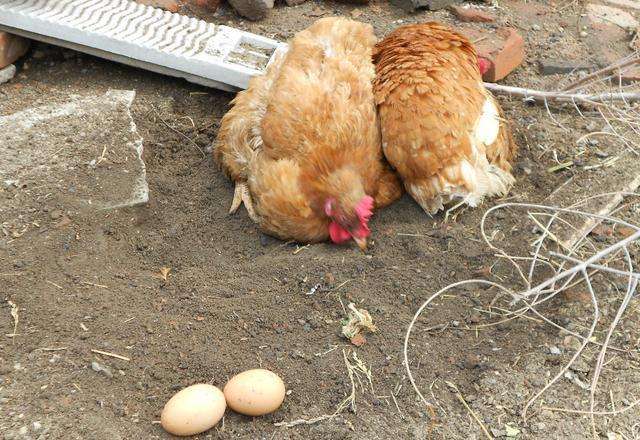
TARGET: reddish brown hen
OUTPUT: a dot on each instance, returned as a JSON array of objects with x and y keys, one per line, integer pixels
[{"x": 441, "y": 129}]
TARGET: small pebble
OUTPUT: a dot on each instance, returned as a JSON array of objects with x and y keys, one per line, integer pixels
[{"x": 101, "y": 369}]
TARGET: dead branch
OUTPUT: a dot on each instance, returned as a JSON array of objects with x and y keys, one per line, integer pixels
[{"x": 541, "y": 96}]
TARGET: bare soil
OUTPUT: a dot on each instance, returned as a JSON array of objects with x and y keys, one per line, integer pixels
[{"x": 235, "y": 299}]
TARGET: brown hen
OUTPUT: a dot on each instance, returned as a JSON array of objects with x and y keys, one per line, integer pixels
[
  {"x": 302, "y": 143},
  {"x": 441, "y": 129}
]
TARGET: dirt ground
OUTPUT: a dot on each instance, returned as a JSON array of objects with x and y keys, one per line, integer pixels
[{"x": 236, "y": 299}]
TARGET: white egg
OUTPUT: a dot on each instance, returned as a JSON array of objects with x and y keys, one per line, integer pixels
[
  {"x": 255, "y": 392},
  {"x": 193, "y": 410}
]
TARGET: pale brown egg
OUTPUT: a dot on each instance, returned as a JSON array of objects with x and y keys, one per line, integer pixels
[
  {"x": 193, "y": 410},
  {"x": 254, "y": 392}
]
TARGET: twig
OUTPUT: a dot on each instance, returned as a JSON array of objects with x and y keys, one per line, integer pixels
[
  {"x": 54, "y": 284},
  {"x": 86, "y": 283},
  {"x": 541, "y": 96},
  {"x": 178, "y": 132},
  {"x": 610, "y": 68},
  {"x": 113, "y": 355},
  {"x": 16, "y": 319},
  {"x": 468, "y": 408},
  {"x": 565, "y": 273},
  {"x": 305, "y": 421}
]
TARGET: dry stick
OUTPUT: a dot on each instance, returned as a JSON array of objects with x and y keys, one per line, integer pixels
[
  {"x": 305, "y": 422},
  {"x": 541, "y": 96},
  {"x": 179, "y": 132},
  {"x": 113, "y": 355},
  {"x": 597, "y": 413},
  {"x": 581, "y": 268},
  {"x": 473, "y": 414},
  {"x": 610, "y": 68}
]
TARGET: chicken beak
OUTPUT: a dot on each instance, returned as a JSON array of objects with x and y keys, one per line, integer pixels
[{"x": 361, "y": 242}]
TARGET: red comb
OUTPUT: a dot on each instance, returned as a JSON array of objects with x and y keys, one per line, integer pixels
[
  {"x": 364, "y": 209},
  {"x": 484, "y": 65}
]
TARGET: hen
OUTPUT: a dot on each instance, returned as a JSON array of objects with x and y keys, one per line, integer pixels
[
  {"x": 302, "y": 143},
  {"x": 441, "y": 129}
]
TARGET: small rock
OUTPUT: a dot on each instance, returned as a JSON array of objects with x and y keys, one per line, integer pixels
[
  {"x": 413, "y": 5},
  {"x": 475, "y": 317},
  {"x": 7, "y": 73},
  {"x": 167, "y": 5},
  {"x": 471, "y": 361},
  {"x": 252, "y": 9},
  {"x": 554, "y": 350},
  {"x": 536, "y": 27},
  {"x": 12, "y": 47},
  {"x": 37, "y": 426},
  {"x": 552, "y": 67},
  {"x": 98, "y": 368},
  {"x": 580, "y": 365},
  {"x": 540, "y": 427},
  {"x": 570, "y": 342},
  {"x": 472, "y": 14},
  {"x": 56, "y": 214},
  {"x": 358, "y": 340}
]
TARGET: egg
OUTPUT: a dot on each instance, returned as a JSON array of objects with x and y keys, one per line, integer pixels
[
  {"x": 193, "y": 410},
  {"x": 254, "y": 392}
]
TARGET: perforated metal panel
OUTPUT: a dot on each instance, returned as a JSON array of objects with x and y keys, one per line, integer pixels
[{"x": 143, "y": 36}]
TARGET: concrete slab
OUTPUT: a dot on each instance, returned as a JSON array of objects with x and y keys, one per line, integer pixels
[
  {"x": 607, "y": 14},
  {"x": 85, "y": 153}
]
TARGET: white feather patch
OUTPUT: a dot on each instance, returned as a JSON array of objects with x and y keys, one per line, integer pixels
[{"x": 488, "y": 124}]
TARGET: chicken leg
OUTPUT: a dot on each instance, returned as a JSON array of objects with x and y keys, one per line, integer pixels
[{"x": 241, "y": 195}]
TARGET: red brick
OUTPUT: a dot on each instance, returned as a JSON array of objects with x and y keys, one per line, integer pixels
[
  {"x": 209, "y": 5},
  {"x": 167, "y": 5},
  {"x": 472, "y": 14},
  {"x": 502, "y": 50},
  {"x": 12, "y": 47}
]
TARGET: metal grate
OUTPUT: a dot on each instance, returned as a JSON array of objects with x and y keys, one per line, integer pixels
[{"x": 146, "y": 37}]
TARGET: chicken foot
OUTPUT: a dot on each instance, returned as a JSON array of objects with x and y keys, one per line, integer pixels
[
  {"x": 241, "y": 195},
  {"x": 455, "y": 210}
]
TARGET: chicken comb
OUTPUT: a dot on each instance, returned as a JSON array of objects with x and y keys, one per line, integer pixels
[{"x": 364, "y": 209}]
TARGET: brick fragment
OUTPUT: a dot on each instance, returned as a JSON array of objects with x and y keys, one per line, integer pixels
[
  {"x": 472, "y": 14},
  {"x": 501, "y": 51},
  {"x": 12, "y": 47}
]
